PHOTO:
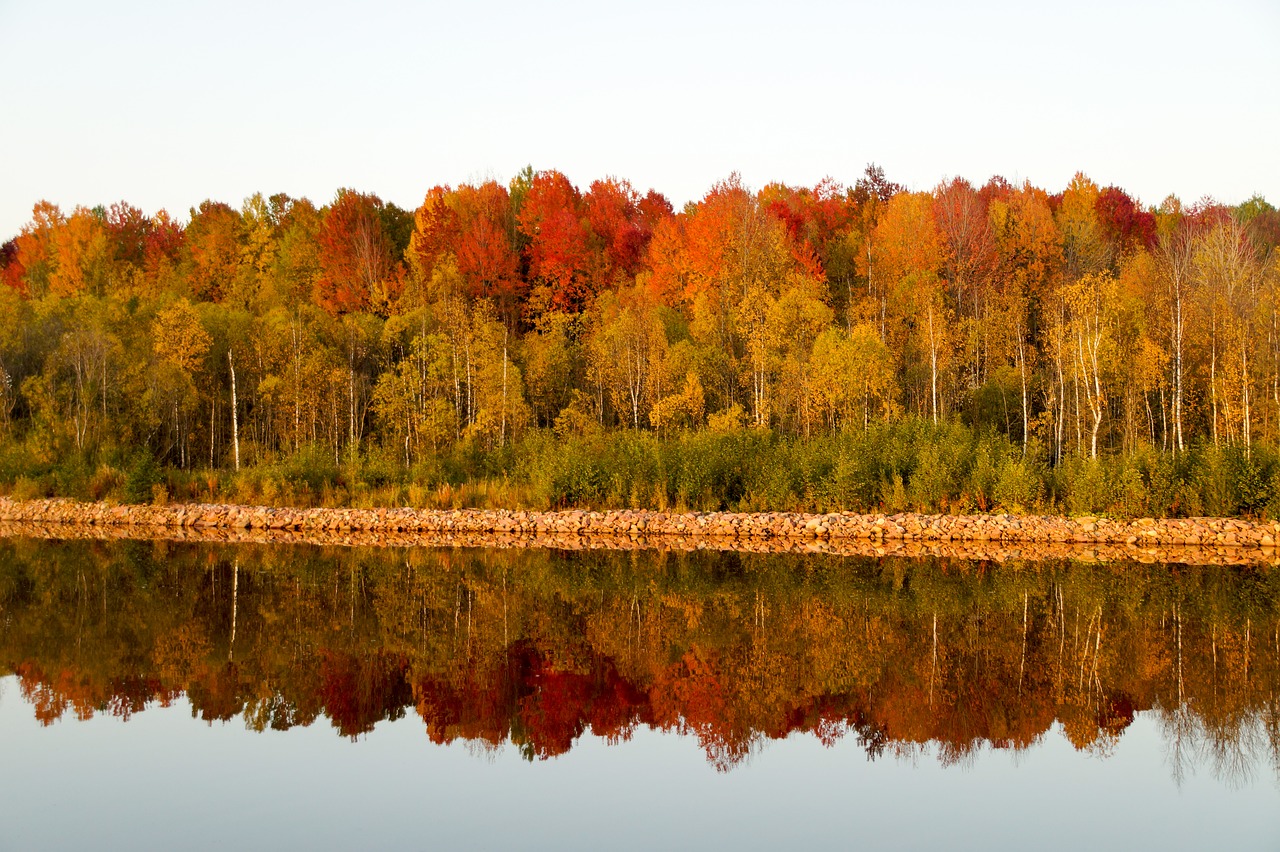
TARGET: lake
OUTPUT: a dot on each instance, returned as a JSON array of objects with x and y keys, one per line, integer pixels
[{"x": 160, "y": 694}]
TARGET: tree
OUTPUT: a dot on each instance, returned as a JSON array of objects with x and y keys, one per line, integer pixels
[
  {"x": 296, "y": 268},
  {"x": 413, "y": 403},
  {"x": 796, "y": 319},
  {"x": 475, "y": 228},
  {"x": 1084, "y": 247},
  {"x": 725, "y": 260},
  {"x": 553, "y": 222},
  {"x": 356, "y": 256},
  {"x": 485, "y": 249},
  {"x": 870, "y": 195},
  {"x": 682, "y": 410},
  {"x": 1225, "y": 268},
  {"x": 853, "y": 378},
  {"x": 551, "y": 356},
  {"x": 180, "y": 343},
  {"x": 912, "y": 253},
  {"x": 212, "y": 245},
  {"x": 496, "y": 386},
  {"x": 622, "y": 221},
  {"x": 1088, "y": 335},
  {"x": 162, "y": 253},
  {"x": 1126, "y": 227},
  {"x": 627, "y": 345},
  {"x": 84, "y": 255},
  {"x": 33, "y": 259},
  {"x": 1174, "y": 256},
  {"x": 968, "y": 262},
  {"x": 1029, "y": 252}
]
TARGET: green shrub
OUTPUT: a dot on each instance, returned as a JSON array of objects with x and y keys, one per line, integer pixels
[
  {"x": 1019, "y": 485},
  {"x": 144, "y": 474}
]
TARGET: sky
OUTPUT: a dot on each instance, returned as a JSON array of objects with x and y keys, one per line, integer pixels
[{"x": 166, "y": 104}]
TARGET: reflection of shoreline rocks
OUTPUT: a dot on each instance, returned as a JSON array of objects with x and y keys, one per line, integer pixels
[{"x": 993, "y": 537}]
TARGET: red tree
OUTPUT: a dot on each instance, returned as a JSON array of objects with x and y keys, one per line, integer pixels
[
  {"x": 553, "y": 221},
  {"x": 356, "y": 261}
]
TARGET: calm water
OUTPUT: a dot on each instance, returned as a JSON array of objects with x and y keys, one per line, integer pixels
[{"x": 264, "y": 697}]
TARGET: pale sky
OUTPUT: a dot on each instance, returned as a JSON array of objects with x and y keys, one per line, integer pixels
[{"x": 167, "y": 104}]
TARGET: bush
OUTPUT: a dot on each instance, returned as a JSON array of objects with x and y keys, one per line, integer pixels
[
  {"x": 144, "y": 474},
  {"x": 912, "y": 464},
  {"x": 1019, "y": 486}
]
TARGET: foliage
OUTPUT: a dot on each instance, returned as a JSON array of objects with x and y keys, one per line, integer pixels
[{"x": 961, "y": 349}]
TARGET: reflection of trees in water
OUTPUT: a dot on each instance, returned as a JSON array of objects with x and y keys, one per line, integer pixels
[
  {"x": 1233, "y": 751},
  {"x": 536, "y": 648}
]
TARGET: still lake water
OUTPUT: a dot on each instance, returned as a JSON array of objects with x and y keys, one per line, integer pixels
[{"x": 157, "y": 695}]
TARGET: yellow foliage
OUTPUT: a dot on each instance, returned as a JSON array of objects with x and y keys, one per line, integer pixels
[{"x": 179, "y": 338}]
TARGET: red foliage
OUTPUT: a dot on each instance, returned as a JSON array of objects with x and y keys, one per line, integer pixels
[
  {"x": 997, "y": 188},
  {"x": 812, "y": 218},
  {"x": 164, "y": 241},
  {"x": 355, "y": 253},
  {"x": 1126, "y": 225},
  {"x": 486, "y": 256},
  {"x": 128, "y": 228},
  {"x": 559, "y": 250},
  {"x": 623, "y": 223},
  {"x": 12, "y": 272}
]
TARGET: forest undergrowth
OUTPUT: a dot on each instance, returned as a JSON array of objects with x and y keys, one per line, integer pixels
[{"x": 911, "y": 465}]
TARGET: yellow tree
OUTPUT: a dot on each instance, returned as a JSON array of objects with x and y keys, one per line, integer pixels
[
  {"x": 1029, "y": 259},
  {"x": 497, "y": 388},
  {"x": 83, "y": 255},
  {"x": 627, "y": 346},
  {"x": 726, "y": 259},
  {"x": 1228, "y": 275},
  {"x": 180, "y": 343},
  {"x": 550, "y": 359},
  {"x": 869, "y": 197},
  {"x": 1086, "y": 331},
  {"x": 969, "y": 260},
  {"x": 1269, "y": 313},
  {"x": 1140, "y": 345},
  {"x": 1174, "y": 256},
  {"x": 413, "y": 401},
  {"x": 258, "y": 248},
  {"x": 1084, "y": 245},
  {"x": 794, "y": 322},
  {"x": 680, "y": 410},
  {"x": 852, "y": 376},
  {"x": 72, "y": 389},
  {"x": 912, "y": 252}
]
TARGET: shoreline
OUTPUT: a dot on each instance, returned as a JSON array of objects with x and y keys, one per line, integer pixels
[{"x": 1226, "y": 541}]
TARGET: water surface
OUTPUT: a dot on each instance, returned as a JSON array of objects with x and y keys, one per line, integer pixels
[{"x": 260, "y": 696}]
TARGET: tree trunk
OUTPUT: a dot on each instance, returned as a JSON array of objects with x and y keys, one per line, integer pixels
[
  {"x": 933, "y": 369},
  {"x": 235, "y": 413}
]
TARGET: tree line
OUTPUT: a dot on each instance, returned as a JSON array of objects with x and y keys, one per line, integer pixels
[{"x": 1073, "y": 325}]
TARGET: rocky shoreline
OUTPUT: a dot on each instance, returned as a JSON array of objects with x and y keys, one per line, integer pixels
[{"x": 997, "y": 537}]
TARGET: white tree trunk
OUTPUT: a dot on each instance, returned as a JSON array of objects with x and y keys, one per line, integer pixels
[{"x": 235, "y": 411}]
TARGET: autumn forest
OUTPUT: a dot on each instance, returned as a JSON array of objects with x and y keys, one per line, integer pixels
[{"x": 535, "y": 344}]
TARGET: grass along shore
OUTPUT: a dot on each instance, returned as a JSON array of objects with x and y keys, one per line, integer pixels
[{"x": 911, "y": 466}]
